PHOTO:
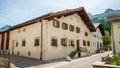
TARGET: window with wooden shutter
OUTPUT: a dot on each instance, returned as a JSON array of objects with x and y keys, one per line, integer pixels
[
  {"x": 36, "y": 42},
  {"x": 71, "y": 43},
  {"x": 77, "y": 29},
  {"x": 88, "y": 43},
  {"x": 86, "y": 34},
  {"x": 71, "y": 27},
  {"x": 64, "y": 41},
  {"x": 65, "y": 26},
  {"x": 56, "y": 23},
  {"x": 54, "y": 42},
  {"x": 16, "y": 43},
  {"x": 23, "y": 42},
  {"x": 84, "y": 43}
]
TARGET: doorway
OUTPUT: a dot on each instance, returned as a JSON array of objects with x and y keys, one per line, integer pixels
[{"x": 78, "y": 48}]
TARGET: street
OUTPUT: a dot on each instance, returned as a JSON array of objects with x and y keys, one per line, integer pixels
[{"x": 85, "y": 62}]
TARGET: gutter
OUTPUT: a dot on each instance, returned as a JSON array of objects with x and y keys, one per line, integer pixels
[{"x": 41, "y": 47}]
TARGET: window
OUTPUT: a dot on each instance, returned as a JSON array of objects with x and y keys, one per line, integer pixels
[
  {"x": 18, "y": 31},
  {"x": 29, "y": 53},
  {"x": 54, "y": 42},
  {"x": 36, "y": 42},
  {"x": 88, "y": 43},
  {"x": 71, "y": 28},
  {"x": 24, "y": 30},
  {"x": 56, "y": 23},
  {"x": 23, "y": 42},
  {"x": 65, "y": 26},
  {"x": 71, "y": 43},
  {"x": 84, "y": 42},
  {"x": 77, "y": 29},
  {"x": 64, "y": 41},
  {"x": 86, "y": 34},
  {"x": 17, "y": 44}
]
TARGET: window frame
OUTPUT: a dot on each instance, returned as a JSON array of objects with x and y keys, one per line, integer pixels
[
  {"x": 77, "y": 30},
  {"x": 71, "y": 28},
  {"x": 56, "y": 23},
  {"x": 86, "y": 34},
  {"x": 23, "y": 43},
  {"x": 84, "y": 43},
  {"x": 64, "y": 42},
  {"x": 36, "y": 41},
  {"x": 88, "y": 43},
  {"x": 16, "y": 44},
  {"x": 54, "y": 42},
  {"x": 64, "y": 26}
]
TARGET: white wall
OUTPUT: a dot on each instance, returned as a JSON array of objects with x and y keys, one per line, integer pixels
[
  {"x": 96, "y": 39},
  {"x": 61, "y": 51},
  {"x": 116, "y": 33},
  {"x": 30, "y": 33}
]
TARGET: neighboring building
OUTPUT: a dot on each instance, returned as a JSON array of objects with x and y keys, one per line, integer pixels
[
  {"x": 114, "y": 20},
  {"x": 97, "y": 37},
  {"x": 4, "y": 41},
  {"x": 51, "y": 36}
]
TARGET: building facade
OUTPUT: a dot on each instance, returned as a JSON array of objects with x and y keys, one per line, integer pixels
[
  {"x": 97, "y": 42},
  {"x": 52, "y": 36},
  {"x": 114, "y": 20}
]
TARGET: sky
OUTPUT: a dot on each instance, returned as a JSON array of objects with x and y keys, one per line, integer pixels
[{"x": 13, "y": 12}]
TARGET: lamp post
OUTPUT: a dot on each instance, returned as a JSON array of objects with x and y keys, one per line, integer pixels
[{"x": 10, "y": 52}]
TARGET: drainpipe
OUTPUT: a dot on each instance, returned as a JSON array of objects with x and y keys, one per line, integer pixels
[
  {"x": 41, "y": 40},
  {"x": 113, "y": 39}
]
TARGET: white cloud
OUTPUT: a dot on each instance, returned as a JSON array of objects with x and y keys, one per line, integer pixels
[{"x": 17, "y": 11}]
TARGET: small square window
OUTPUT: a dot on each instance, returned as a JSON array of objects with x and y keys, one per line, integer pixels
[
  {"x": 65, "y": 26},
  {"x": 71, "y": 28},
  {"x": 18, "y": 31},
  {"x": 64, "y": 41},
  {"x": 71, "y": 43},
  {"x": 23, "y": 42},
  {"x": 17, "y": 44},
  {"x": 56, "y": 23},
  {"x": 24, "y": 30},
  {"x": 84, "y": 43},
  {"x": 77, "y": 29},
  {"x": 86, "y": 34},
  {"x": 88, "y": 43},
  {"x": 36, "y": 42},
  {"x": 54, "y": 42}
]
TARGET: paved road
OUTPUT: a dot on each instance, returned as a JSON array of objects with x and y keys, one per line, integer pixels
[
  {"x": 82, "y": 62},
  {"x": 23, "y": 62}
]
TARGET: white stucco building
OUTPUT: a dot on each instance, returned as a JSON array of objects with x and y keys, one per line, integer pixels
[
  {"x": 51, "y": 36},
  {"x": 97, "y": 37}
]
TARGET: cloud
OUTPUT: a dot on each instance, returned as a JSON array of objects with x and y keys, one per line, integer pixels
[{"x": 16, "y": 11}]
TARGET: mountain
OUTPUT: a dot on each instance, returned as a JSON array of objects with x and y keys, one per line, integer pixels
[
  {"x": 90, "y": 15},
  {"x": 4, "y": 28},
  {"x": 100, "y": 18}
]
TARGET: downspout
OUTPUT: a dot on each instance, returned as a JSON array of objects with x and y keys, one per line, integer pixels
[
  {"x": 41, "y": 40},
  {"x": 113, "y": 39}
]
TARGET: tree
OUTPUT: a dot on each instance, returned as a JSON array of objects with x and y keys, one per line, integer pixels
[{"x": 106, "y": 40}]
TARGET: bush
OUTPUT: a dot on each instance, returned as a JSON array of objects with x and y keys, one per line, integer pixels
[{"x": 115, "y": 60}]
